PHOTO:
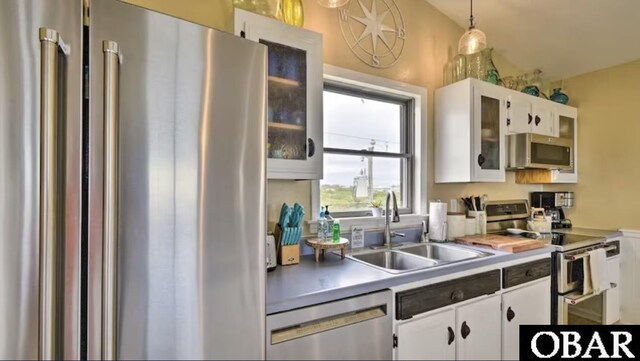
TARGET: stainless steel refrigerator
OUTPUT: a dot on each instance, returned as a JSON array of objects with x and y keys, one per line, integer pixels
[{"x": 132, "y": 185}]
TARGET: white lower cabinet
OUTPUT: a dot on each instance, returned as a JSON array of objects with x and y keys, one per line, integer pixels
[
  {"x": 469, "y": 332},
  {"x": 528, "y": 305},
  {"x": 475, "y": 316},
  {"x": 428, "y": 338},
  {"x": 478, "y": 330}
]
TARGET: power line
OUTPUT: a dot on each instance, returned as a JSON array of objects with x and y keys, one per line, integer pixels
[{"x": 364, "y": 138}]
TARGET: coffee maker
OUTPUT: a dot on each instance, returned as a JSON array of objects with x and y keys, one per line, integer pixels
[{"x": 553, "y": 204}]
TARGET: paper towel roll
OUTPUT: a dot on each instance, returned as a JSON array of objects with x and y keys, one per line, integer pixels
[{"x": 438, "y": 221}]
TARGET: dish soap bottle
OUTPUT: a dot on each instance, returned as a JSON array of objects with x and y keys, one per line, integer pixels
[
  {"x": 323, "y": 226},
  {"x": 336, "y": 231}
]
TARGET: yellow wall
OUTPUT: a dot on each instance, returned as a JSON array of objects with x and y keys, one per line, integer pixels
[
  {"x": 608, "y": 101},
  {"x": 431, "y": 38}
]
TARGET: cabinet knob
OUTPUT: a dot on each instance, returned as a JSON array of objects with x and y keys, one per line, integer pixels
[
  {"x": 530, "y": 118},
  {"x": 510, "y": 314},
  {"x": 538, "y": 120},
  {"x": 465, "y": 330},
  {"x": 452, "y": 336},
  {"x": 312, "y": 147},
  {"x": 457, "y": 295},
  {"x": 481, "y": 160}
]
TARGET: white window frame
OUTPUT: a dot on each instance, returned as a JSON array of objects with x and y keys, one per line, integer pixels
[{"x": 354, "y": 79}]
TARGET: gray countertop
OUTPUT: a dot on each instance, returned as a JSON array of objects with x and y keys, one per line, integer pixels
[
  {"x": 310, "y": 283},
  {"x": 590, "y": 232}
]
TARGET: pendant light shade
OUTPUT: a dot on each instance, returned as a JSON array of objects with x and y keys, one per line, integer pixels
[
  {"x": 333, "y": 3},
  {"x": 473, "y": 40}
]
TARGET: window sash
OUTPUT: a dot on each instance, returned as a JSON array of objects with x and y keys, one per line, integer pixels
[{"x": 406, "y": 145}]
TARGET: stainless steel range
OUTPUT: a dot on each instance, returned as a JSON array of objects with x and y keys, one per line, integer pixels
[{"x": 569, "y": 303}]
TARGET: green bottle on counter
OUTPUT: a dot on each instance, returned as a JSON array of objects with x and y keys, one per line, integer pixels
[{"x": 336, "y": 231}]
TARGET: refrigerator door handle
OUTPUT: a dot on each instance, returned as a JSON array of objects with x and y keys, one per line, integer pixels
[
  {"x": 110, "y": 198},
  {"x": 50, "y": 42}
]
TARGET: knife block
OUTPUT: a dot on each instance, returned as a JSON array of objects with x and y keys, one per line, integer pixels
[{"x": 287, "y": 255}]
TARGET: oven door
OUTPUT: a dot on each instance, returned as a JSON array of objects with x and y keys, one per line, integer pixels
[
  {"x": 573, "y": 306},
  {"x": 576, "y": 308}
]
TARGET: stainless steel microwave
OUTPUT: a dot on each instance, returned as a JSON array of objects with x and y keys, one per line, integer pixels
[{"x": 529, "y": 150}]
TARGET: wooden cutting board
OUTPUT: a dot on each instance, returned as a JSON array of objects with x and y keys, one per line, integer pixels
[{"x": 502, "y": 243}]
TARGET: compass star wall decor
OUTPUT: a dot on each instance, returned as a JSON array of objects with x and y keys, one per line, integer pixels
[{"x": 374, "y": 31}]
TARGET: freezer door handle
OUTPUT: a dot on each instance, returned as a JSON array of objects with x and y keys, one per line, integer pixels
[
  {"x": 110, "y": 198},
  {"x": 50, "y": 46}
]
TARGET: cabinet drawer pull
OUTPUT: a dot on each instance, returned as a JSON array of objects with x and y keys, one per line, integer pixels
[
  {"x": 457, "y": 295},
  {"x": 452, "y": 336},
  {"x": 465, "y": 330},
  {"x": 530, "y": 118},
  {"x": 510, "y": 314},
  {"x": 529, "y": 273},
  {"x": 538, "y": 120}
]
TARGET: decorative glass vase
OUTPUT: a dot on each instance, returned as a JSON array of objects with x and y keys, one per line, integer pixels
[
  {"x": 270, "y": 8},
  {"x": 559, "y": 97},
  {"x": 459, "y": 67},
  {"x": 476, "y": 67},
  {"x": 292, "y": 12},
  {"x": 534, "y": 83},
  {"x": 491, "y": 74},
  {"x": 447, "y": 73}
]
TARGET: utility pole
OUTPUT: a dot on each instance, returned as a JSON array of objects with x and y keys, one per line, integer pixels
[{"x": 370, "y": 170}]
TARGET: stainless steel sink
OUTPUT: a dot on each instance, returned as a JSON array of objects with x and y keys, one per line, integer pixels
[
  {"x": 416, "y": 257},
  {"x": 394, "y": 261},
  {"x": 443, "y": 253}
]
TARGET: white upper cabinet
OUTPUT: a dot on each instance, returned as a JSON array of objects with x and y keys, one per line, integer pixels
[
  {"x": 567, "y": 128},
  {"x": 545, "y": 122},
  {"x": 294, "y": 106},
  {"x": 519, "y": 116},
  {"x": 473, "y": 120},
  {"x": 528, "y": 114},
  {"x": 470, "y": 143}
]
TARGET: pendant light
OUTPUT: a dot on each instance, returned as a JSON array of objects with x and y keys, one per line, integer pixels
[
  {"x": 473, "y": 40},
  {"x": 331, "y": 4}
]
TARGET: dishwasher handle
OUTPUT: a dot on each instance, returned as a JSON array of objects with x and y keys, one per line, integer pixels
[{"x": 326, "y": 324}]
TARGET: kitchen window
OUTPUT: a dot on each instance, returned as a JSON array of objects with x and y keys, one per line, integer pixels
[{"x": 368, "y": 149}]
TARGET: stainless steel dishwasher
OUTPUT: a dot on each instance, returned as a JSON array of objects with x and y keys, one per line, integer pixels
[{"x": 350, "y": 329}]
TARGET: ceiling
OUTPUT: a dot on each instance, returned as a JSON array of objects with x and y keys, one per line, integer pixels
[{"x": 562, "y": 37}]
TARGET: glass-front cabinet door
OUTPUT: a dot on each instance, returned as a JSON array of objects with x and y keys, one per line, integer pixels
[
  {"x": 568, "y": 128},
  {"x": 294, "y": 103},
  {"x": 489, "y": 107}
]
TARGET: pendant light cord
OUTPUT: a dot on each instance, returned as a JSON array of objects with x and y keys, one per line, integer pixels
[{"x": 471, "y": 24}]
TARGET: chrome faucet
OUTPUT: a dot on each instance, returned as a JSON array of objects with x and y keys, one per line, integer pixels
[{"x": 388, "y": 233}]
